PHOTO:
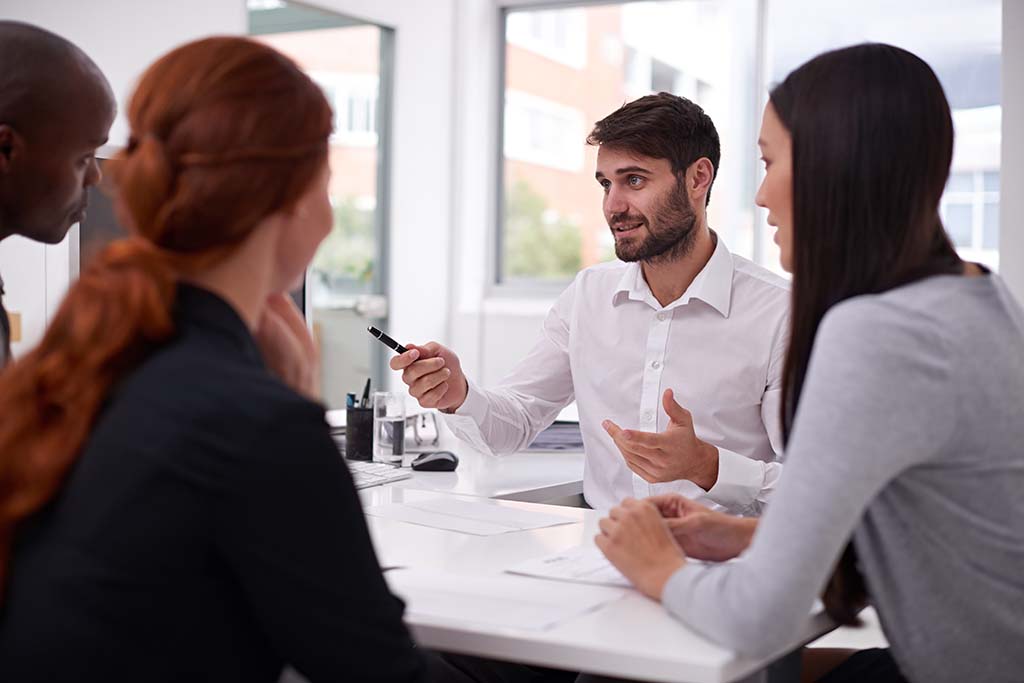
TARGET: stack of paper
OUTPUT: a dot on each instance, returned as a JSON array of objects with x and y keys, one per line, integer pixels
[
  {"x": 502, "y": 601},
  {"x": 468, "y": 517}
]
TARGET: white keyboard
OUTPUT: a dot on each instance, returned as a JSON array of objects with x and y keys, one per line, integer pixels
[{"x": 366, "y": 474}]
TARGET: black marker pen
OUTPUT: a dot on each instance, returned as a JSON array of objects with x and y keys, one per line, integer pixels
[{"x": 386, "y": 340}]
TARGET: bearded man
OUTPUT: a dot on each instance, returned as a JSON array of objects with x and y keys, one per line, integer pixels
[{"x": 677, "y": 321}]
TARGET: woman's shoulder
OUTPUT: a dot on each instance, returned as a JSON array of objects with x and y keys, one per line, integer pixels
[
  {"x": 934, "y": 313},
  {"x": 234, "y": 391},
  {"x": 873, "y": 317}
]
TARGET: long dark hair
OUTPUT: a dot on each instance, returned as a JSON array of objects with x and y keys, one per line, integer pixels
[{"x": 872, "y": 142}]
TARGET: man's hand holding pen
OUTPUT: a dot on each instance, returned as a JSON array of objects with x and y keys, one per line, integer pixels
[{"x": 434, "y": 376}]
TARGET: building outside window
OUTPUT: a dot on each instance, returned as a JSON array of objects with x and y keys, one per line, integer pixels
[
  {"x": 551, "y": 223},
  {"x": 566, "y": 68},
  {"x": 967, "y": 62}
]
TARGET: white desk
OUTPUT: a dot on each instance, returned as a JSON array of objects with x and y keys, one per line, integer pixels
[
  {"x": 528, "y": 476},
  {"x": 633, "y": 637}
]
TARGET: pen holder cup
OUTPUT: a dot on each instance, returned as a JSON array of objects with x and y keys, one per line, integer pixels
[{"x": 359, "y": 433}]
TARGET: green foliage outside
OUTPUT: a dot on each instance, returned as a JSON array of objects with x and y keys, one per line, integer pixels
[
  {"x": 348, "y": 252},
  {"x": 535, "y": 248}
]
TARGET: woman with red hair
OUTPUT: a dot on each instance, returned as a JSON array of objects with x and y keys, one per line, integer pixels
[{"x": 172, "y": 506}]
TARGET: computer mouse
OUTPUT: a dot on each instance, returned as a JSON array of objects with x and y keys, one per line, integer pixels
[{"x": 436, "y": 461}]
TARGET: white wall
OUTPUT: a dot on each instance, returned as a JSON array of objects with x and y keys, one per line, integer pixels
[
  {"x": 23, "y": 267},
  {"x": 478, "y": 32}
]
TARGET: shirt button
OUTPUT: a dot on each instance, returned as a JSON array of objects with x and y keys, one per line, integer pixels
[
  {"x": 662, "y": 315},
  {"x": 655, "y": 364},
  {"x": 648, "y": 416}
]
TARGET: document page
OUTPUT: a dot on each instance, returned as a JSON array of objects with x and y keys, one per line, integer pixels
[
  {"x": 502, "y": 601},
  {"x": 581, "y": 564},
  {"x": 468, "y": 517}
]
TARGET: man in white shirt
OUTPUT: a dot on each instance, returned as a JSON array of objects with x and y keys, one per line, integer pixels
[{"x": 677, "y": 321}]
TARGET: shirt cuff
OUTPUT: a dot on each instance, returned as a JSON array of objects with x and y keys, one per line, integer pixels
[
  {"x": 467, "y": 418},
  {"x": 740, "y": 480},
  {"x": 475, "y": 405}
]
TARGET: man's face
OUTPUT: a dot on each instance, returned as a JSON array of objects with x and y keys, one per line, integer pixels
[
  {"x": 45, "y": 172},
  {"x": 646, "y": 206}
]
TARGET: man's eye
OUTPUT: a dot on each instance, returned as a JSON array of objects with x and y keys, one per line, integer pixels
[{"x": 635, "y": 180}]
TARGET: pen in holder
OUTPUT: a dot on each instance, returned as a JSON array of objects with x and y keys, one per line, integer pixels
[{"x": 359, "y": 433}]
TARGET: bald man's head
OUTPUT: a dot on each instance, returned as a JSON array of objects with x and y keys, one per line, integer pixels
[{"x": 55, "y": 111}]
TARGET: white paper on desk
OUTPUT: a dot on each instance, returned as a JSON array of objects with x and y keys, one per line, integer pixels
[
  {"x": 580, "y": 564},
  {"x": 480, "y": 519},
  {"x": 504, "y": 601}
]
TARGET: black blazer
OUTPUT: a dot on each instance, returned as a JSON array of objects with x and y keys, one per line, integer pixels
[{"x": 209, "y": 530}]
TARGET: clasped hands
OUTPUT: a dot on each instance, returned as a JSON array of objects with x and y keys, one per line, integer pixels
[{"x": 649, "y": 540}]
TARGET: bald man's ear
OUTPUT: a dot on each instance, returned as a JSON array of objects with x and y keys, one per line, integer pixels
[{"x": 11, "y": 145}]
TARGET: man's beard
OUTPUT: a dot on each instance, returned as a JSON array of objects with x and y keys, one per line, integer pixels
[{"x": 669, "y": 236}]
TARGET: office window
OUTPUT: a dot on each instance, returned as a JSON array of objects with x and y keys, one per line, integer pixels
[
  {"x": 559, "y": 35},
  {"x": 967, "y": 61},
  {"x": 551, "y": 223},
  {"x": 970, "y": 212},
  {"x": 346, "y": 291},
  {"x": 543, "y": 132},
  {"x": 567, "y": 68},
  {"x": 354, "y": 100},
  {"x": 345, "y": 263}
]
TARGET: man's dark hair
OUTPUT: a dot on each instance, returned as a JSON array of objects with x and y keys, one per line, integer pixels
[{"x": 662, "y": 126}]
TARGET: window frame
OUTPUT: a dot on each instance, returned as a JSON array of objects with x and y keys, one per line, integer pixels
[
  {"x": 977, "y": 198},
  {"x": 382, "y": 140}
]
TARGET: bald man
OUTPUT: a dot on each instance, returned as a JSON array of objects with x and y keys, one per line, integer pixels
[{"x": 56, "y": 109}]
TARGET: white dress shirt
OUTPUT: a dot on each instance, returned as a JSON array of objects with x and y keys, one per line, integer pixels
[{"x": 609, "y": 344}]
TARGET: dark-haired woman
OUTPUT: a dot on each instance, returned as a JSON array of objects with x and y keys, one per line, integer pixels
[
  {"x": 172, "y": 506},
  {"x": 903, "y": 408}
]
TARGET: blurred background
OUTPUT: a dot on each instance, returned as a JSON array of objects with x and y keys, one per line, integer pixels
[{"x": 463, "y": 190}]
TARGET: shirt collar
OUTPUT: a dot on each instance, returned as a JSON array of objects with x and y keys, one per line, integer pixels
[{"x": 713, "y": 284}]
